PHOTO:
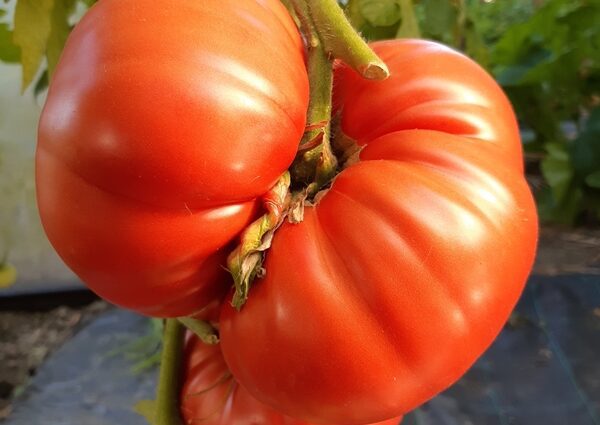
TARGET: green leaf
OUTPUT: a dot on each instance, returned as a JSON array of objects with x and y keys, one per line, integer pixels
[
  {"x": 8, "y": 275},
  {"x": 33, "y": 20},
  {"x": 59, "y": 32},
  {"x": 475, "y": 45},
  {"x": 352, "y": 11},
  {"x": 565, "y": 212},
  {"x": 9, "y": 52},
  {"x": 372, "y": 33},
  {"x": 557, "y": 170},
  {"x": 520, "y": 73},
  {"x": 149, "y": 363},
  {"x": 145, "y": 350},
  {"x": 146, "y": 408},
  {"x": 585, "y": 151},
  {"x": 440, "y": 17},
  {"x": 593, "y": 180},
  {"x": 380, "y": 13},
  {"x": 409, "y": 26}
]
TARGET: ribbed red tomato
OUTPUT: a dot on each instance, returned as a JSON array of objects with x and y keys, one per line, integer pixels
[
  {"x": 408, "y": 266},
  {"x": 164, "y": 120},
  {"x": 211, "y": 396}
]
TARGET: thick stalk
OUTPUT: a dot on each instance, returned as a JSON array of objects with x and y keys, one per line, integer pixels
[
  {"x": 320, "y": 78},
  {"x": 329, "y": 35},
  {"x": 202, "y": 329},
  {"x": 341, "y": 40},
  {"x": 315, "y": 164},
  {"x": 167, "y": 393}
]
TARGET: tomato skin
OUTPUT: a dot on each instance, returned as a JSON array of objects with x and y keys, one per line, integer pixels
[
  {"x": 431, "y": 87},
  {"x": 210, "y": 394},
  {"x": 405, "y": 270},
  {"x": 158, "y": 133}
]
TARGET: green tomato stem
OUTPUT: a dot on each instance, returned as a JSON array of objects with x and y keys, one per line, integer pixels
[
  {"x": 202, "y": 329},
  {"x": 315, "y": 163},
  {"x": 167, "y": 393},
  {"x": 341, "y": 40},
  {"x": 315, "y": 166},
  {"x": 329, "y": 35}
]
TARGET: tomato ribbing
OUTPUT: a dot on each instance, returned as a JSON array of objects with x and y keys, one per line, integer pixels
[{"x": 407, "y": 268}]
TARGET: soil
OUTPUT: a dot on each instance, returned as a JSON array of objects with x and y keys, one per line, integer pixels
[
  {"x": 28, "y": 336},
  {"x": 566, "y": 251}
]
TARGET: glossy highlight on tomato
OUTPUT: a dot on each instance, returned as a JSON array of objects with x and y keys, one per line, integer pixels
[
  {"x": 211, "y": 396},
  {"x": 408, "y": 266},
  {"x": 159, "y": 131}
]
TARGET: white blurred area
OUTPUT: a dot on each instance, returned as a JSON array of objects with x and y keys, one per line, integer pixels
[{"x": 21, "y": 237}]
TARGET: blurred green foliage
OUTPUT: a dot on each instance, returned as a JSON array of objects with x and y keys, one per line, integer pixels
[
  {"x": 35, "y": 35},
  {"x": 8, "y": 275},
  {"x": 545, "y": 54},
  {"x": 144, "y": 352}
]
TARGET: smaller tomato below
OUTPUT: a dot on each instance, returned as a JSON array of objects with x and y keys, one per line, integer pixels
[{"x": 211, "y": 396}]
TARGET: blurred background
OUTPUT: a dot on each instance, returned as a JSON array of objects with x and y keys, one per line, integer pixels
[{"x": 544, "y": 367}]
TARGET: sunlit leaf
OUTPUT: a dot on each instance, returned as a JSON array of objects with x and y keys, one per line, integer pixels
[
  {"x": 409, "y": 26},
  {"x": 146, "y": 408},
  {"x": 352, "y": 11},
  {"x": 59, "y": 32},
  {"x": 9, "y": 52},
  {"x": 33, "y": 20},
  {"x": 440, "y": 17},
  {"x": 380, "y": 13},
  {"x": 8, "y": 275}
]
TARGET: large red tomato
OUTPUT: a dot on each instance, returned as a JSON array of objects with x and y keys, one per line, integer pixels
[
  {"x": 406, "y": 269},
  {"x": 211, "y": 396},
  {"x": 164, "y": 120}
]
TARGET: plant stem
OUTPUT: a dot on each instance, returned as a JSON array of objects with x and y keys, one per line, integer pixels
[
  {"x": 342, "y": 41},
  {"x": 202, "y": 329},
  {"x": 315, "y": 163},
  {"x": 167, "y": 393},
  {"x": 329, "y": 35}
]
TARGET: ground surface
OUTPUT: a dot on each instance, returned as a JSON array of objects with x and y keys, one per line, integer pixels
[
  {"x": 563, "y": 251},
  {"x": 92, "y": 379},
  {"x": 541, "y": 370},
  {"x": 28, "y": 337}
]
